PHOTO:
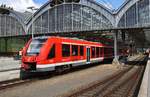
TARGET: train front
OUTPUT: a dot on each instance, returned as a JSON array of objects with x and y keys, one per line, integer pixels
[{"x": 30, "y": 55}]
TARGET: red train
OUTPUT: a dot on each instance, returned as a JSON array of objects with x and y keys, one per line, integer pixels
[{"x": 60, "y": 53}]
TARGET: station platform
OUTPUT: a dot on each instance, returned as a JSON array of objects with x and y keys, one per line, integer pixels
[
  {"x": 145, "y": 85},
  {"x": 9, "y": 68},
  {"x": 8, "y": 63}
]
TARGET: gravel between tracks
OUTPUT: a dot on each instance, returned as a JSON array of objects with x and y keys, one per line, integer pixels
[{"x": 61, "y": 84}]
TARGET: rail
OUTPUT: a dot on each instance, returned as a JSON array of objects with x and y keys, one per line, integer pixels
[{"x": 122, "y": 84}]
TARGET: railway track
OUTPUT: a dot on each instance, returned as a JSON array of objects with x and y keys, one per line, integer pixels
[
  {"x": 17, "y": 81},
  {"x": 13, "y": 69},
  {"x": 14, "y": 83},
  {"x": 125, "y": 86},
  {"x": 122, "y": 84}
]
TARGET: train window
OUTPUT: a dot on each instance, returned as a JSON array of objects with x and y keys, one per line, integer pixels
[
  {"x": 65, "y": 50},
  {"x": 74, "y": 50},
  {"x": 105, "y": 50},
  {"x": 35, "y": 46},
  {"x": 113, "y": 51},
  {"x": 81, "y": 50},
  {"x": 110, "y": 50},
  {"x": 52, "y": 52},
  {"x": 101, "y": 52},
  {"x": 93, "y": 52},
  {"x": 97, "y": 51}
]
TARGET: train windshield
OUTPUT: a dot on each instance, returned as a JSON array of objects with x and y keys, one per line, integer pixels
[{"x": 35, "y": 46}]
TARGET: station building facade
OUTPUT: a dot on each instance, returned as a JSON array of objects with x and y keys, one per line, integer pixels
[
  {"x": 83, "y": 15},
  {"x": 11, "y": 24},
  {"x": 133, "y": 13},
  {"x": 73, "y": 16}
]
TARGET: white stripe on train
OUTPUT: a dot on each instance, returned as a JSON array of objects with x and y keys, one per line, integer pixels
[{"x": 49, "y": 67}]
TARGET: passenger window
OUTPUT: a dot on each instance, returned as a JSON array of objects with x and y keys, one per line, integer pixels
[
  {"x": 65, "y": 50},
  {"x": 97, "y": 51},
  {"x": 101, "y": 52},
  {"x": 74, "y": 50},
  {"x": 105, "y": 51},
  {"x": 81, "y": 50},
  {"x": 93, "y": 52},
  {"x": 52, "y": 52}
]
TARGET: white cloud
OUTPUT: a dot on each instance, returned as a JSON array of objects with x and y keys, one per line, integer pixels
[{"x": 20, "y": 5}]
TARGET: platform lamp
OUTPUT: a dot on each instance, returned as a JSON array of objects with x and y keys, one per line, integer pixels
[{"x": 32, "y": 8}]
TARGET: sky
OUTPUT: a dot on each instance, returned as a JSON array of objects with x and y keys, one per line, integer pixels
[
  {"x": 21, "y": 5},
  {"x": 111, "y": 4}
]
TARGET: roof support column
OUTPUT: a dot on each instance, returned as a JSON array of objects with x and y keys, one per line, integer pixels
[
  {"x": 48, "y": 22},
  {"x": 0, "y": 26},
  {"x": 41, "y": 26},
  {"x": 116, "y": 57},
  {"x": 72, "y": 17},
  {"x": 125, "y": 20},
  {"x": 55, "y": 19},
  {"x": 81, "y": 18},
  {"x": 64, "y": 17},
  {"x": 5, "y": 25},
  {"x": 6, "y": 44},
  {"x": 149, "y": 10},
  {"x": 0, "y": 45},
  {"x": 91, "y": 21},
  {"x": 123, "y": 36},
  {"x": 115, "y": 32},
  {"x": 137, "y": 17}
]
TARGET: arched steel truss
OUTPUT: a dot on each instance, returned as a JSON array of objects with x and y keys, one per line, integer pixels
[
  {"x": 11, "y": 24},
  {"x": 69, "y": 17},
  {"x": 83, "y": 16},
  {"x": 134, "y": 13}
]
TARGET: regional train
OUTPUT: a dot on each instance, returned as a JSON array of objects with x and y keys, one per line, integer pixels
[{"x": 51, "y": 53}]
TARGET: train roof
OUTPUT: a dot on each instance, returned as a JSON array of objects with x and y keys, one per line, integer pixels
[
  {"x": 74, "y": 38},
  {"x": 46, "y": 37}
]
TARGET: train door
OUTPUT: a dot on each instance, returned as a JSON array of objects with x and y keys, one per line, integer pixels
[{"x": 88, "y": 54}]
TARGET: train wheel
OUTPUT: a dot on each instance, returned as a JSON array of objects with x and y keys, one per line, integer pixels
[
  {"x": 59, "y": 69},
  {"x": 68, "y": 68}
]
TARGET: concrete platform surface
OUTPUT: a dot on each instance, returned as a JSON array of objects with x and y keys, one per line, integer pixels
[
  {"x": 9, "y": 68},
  {"x": 145, "y": 85},
  {"x": 9, "y": 75},
  {"x": 8, "y": 63}
]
